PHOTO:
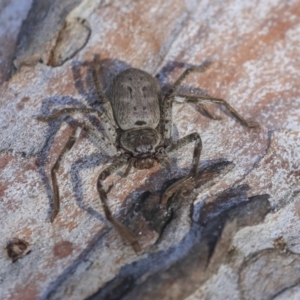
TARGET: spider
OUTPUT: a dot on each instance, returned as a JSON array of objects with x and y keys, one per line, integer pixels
[{"x": 137, "y": 121}]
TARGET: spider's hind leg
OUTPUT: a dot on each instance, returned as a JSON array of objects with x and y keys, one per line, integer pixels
[{"x": 67, "y": 111}]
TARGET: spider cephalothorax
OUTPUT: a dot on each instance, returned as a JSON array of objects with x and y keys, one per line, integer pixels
[
  {"x": 143, "y": 137},
  {"x": 140, "y": 141}
]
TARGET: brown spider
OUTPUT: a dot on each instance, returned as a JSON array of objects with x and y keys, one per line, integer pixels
[{"x": 143, "y": 137}]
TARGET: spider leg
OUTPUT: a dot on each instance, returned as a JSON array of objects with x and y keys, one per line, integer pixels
[
  {"x": 69, "y": 144},
  {"x": 208, "y": 113},
  {"x": 173, "y": 189},
  {"x": 166, "y": 105},
  {"x": 129, "y": 166},
  {"x": 166, "y": 119},
  {"x": 163, "y": 158},
  {"x": 95, "y": 71},
  {"x": 68, "y": 111},
  {"x": 194, "y": 98},
  {"x": 166, "y": 125},
  {"x": 203, "y": 107},
  {"x": 122, "y": 229},
  {"x": 110, "y": 130},
  {"x": 193, "y": 137},
  {"x": 102, "y": 98},
  {"x": 97, "y": 138},
  {"x": 202, "y": 68}
]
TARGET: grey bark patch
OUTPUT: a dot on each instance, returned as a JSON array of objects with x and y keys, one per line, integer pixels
[
  {"x": 146, "y": 211},
  {"x": 279, "y": 272},
  {"x": 186, "y": 265},
  {"x": 40, "y": 30},
  {"x": 289, "y": 293},
  {"x": 146, "y": 216},
  {"x": 72, "y": 38},
  {"x": 176, "y": 278}
]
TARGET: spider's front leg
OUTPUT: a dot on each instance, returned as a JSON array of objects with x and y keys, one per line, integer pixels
[
  {"x": 193, "y": 137},
  {"x": 69, "y": 144},
  {"x": 122, "y": 229},
  {"x": 95, "y": 136},
  {"x": 106, "y": 123},
  {"x": 204, "y": 99},
  {"x": 67, "y": 111},
  {"x": 196, "y": 98}
]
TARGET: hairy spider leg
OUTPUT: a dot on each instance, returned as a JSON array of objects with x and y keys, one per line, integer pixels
[
  {"x": 96, "y": 137},
  {"x": 102, "y": 98},
  {"x": 166, "y": 127},
  {"x": 68, "y": 111},
  {"x": 95, "y": 71},
  {"x": 110, "y": 131},
  {"x": 201, "y": 69},
  {"x": 122, "y": 229},
  {"x": 193, "y": 137},
  {"x": 166, "y": 106},
  {"x": 208, "y": 113},
  {"x": 196, "y": 98},
  {"x": 56, "y": 204}
]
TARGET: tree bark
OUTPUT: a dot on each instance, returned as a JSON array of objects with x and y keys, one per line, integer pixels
[{"x": 230, "y": 233}]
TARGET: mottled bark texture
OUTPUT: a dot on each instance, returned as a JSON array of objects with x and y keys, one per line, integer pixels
[{"x": 231, "y": 233}]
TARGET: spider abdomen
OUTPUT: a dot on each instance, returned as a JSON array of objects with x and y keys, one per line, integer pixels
[{"x": 135, "y": 97}]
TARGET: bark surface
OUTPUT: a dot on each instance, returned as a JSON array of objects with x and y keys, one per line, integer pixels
[{"x": 232, "y": 233}]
